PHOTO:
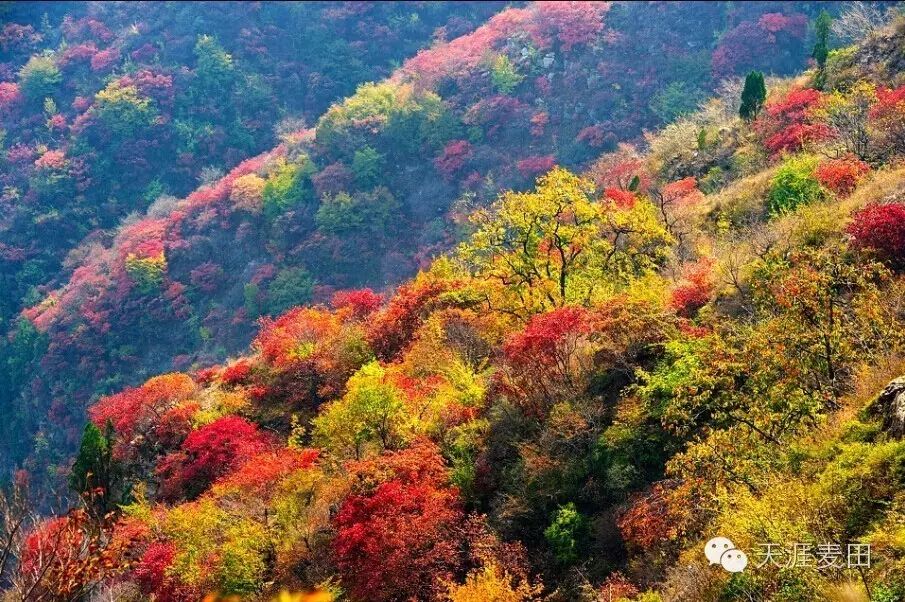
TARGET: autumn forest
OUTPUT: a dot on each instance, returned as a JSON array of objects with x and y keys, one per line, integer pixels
[{"x": 452, "y": 301}]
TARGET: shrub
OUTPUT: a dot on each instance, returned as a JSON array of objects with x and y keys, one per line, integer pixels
[
  {"x": 146, "y": 272},
  {"x": 841, "y": 175},
  {"x": 207, "y": 277},
  {"x": 492, "y": 583},
  {"x": 216, "y": 550},
  {"x": 794, "y": 185},
  {"x": 359, "y": 303},
  {"x": 847, "y": 115},
  {"x": 371, "y": 414},
  {"x": 123, "y": 110},
  {"x": 694, "y": 290},
  {"x": 10, "y": 95},
  {"x": 453, "y": 158},
  {"x": 533, "y": 166},
  {"x": 887, "y": 121},
  {"x": 882, "y": 229},
  {"x": 153, "y": 575},
  {"x": 369, "y": 215},
  {"x": 787, "y": 123},
  {"x": 248, "y": 192},
  {"x": 401, "y": 540},
  {"x": 673, "y": 101}
]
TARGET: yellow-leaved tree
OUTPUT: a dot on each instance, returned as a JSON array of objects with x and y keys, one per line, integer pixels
[{"x": 559, "y": 245}]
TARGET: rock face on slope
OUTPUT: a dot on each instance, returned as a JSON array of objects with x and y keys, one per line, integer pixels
[{"x": 891, "y": 406}]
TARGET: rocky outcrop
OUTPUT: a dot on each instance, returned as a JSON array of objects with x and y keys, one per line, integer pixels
[{"x": 890, "y": 405}]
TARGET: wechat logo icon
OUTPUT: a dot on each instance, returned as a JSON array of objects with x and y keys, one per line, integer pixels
[{"x": 723, "y": 552}]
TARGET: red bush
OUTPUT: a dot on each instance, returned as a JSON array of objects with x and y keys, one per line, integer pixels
[
  {"x": 657, "y": 518},
  {"x": 694, "y": 290},
  {"x": 294, "y": 335},
  {"x": 260, "y": 474},
  {"x": 236, "y": 373},
  {"x": 617, "y": 587},
  {"x": 773, "y": 38},
  {"x": 152, "y": 577},
  {"x": 619, "y": 169},
  {"x": 533, "y": 166},
  {"x": 136, "y": 410},
  {"x": 539, "y": 123},
  {"x": 359, "y": 303},
  {"x": 888, "y": 119},
  {"x": 786, "y": 123},
  {"x": 882, "y": 229},
  {"x": 453, "y": 158},
  {"x": 537, "y": 344},
  {"x": 571, "y": 23},
  {"x": 332, "y": 179},
  {"x": 175, "y": 424},
  {"x": 104, "y": 60},
  {"x": 10, "y": 95},
  {"x": 390, "y": 330},
  {"x": 682, "y": 192},
  {"x": 401, "y": 537},
  {"x": 551, "y": 358},
  {"x": 208, "y": 453},
  {"x": 841, "y": 175},
  {"x": 622, "y": 198},
  {"x": 65, "y": 555},
  {"x": 207, "y": 277},
  {"x": 51, "y": 160}
]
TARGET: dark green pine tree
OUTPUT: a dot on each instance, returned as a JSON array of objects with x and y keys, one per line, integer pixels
[
  {"x": 94, "y": 473},
  {"x": 821, "y": 48},
  {"x": 822, "y": 35},
  {"x": 753, "y": 96}
]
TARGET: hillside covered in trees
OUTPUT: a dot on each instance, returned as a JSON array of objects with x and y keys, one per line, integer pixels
[
  {"x": 364, "y": 196},
  {"x": 573, "y": 289}
]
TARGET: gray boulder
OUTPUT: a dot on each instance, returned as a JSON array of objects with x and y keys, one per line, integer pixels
[{"x": 890, "y": 405}]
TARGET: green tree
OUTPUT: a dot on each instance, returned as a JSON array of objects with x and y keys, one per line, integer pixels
[
  {"x": 39, "y": 77},
  {"x": 566, "y": 532},
  {"x": 503, "y": 74},
  {"x": 250, "y": 294},
  {"x": 123, "y": 110},
  {"x": 371, "y": 413},
  {"x": 673, "y": 101},
  {"x": 821, "y": 34},
  {"x": 287, "y": 186},
  {"x": 366, "y": 214},
  {"x": 753, "y": 96},
  {"x": 366, "y": 166},
  {"x": 147, "y": 273},
  {"x": 291, "y": 287},
  {"x": 94, "y": 474},
  {"x": 214, "y": 67},
  {"x": 821, "y": 49}
]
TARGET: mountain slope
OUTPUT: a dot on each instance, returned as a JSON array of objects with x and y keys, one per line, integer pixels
[
  {"x": 612, "y": 368},
  {"x": 166, "y": 94},
  {"x": 368, "y": 195}
]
